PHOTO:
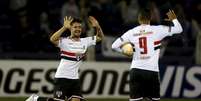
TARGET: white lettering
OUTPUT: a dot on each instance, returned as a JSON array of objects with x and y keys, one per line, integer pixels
[
  {"x": 166, "y": 79},
  {"x": 190, "y": 93},
  {"x": 178, "y": 82},
  {"x": 99, "y": 79}
]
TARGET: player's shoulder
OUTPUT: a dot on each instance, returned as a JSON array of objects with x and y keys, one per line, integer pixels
[
  {"x": 84, "y": 38},
  {"x": 87, "y": 38},
  {"x": 159, "y": 26},
  {"x": 132, "y": 32},
  {"x": 64, "y": 38},
  {"x": 129, "y": 32},
  {"x": 134, "y": 29}
]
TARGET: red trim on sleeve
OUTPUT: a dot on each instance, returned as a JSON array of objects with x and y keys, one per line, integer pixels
[{"x": 157, "y": 42}]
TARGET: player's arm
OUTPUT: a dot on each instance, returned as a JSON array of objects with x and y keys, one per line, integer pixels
[
  {"x": 177, "y": 28},
  {"x": 117, "y": 46},
  {"x": 118, "y": 43},
  {"x": 56, "y": 36},
  {"x": 95, "y": 24}
]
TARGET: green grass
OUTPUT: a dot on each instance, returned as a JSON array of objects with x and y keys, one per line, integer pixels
[{"x": 23, "y": 99}]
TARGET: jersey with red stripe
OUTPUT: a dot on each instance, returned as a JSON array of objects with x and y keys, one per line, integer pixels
[
  {"x": 72, "y": 54},
  {"x": 146, "y": 40}
]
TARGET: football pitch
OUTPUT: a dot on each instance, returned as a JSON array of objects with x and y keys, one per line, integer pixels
[{"x": 23, "y": 99}]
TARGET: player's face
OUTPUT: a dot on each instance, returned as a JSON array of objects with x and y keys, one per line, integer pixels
[{"x": 76, "y": 29}]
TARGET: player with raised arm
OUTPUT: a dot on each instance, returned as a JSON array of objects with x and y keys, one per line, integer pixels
[
  {"x": 73, "y": 48},
  {"x": 146, "y": 40}
]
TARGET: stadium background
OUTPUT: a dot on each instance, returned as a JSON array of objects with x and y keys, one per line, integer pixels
[{"x": 26, "y": 25}]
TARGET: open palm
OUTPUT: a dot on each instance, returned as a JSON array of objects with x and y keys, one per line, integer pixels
[
  {"x": 67, "y": 21},
  {"x": 93, "y": 21}
]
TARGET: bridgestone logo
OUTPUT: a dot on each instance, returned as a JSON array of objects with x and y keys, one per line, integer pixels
[{"x": 111, "y": 80}]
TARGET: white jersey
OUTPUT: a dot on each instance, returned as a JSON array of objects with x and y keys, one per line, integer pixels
[
  {"x": 72, "y": 54},
  {"x": 147, "y": 41}
]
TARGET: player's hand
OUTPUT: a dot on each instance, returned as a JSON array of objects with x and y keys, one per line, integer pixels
[
  {"x": 171, "y": 15},
  {"x": 128, "y": 53},
  {"x": 67, "y": 22},
  {"x": 93, "y": 21}
]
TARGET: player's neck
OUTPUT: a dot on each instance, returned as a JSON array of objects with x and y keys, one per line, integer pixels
[{"x": 144, "y": 22}]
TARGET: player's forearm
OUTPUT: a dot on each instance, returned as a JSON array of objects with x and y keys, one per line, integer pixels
[
  {"x": 177, "y": 28},
  {"x": 99, "y": 34},
  {"x": 116, "y": 46},
  {"x": 56, "y": 36}
]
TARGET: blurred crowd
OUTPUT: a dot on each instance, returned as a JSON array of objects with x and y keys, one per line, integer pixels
[{"x": 25, "y": 25}]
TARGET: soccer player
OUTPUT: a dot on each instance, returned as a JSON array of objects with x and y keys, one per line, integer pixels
[
  {"x": 73, "y": 49},
  {"x": 146, "y": 40}
]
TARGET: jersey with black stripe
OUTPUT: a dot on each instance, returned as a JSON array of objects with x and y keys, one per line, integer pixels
[
  {"x": 72, "y": 54},
  {"x": 146, "y": 40}
]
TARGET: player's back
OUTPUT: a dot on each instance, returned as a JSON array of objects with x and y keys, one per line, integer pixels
[{"x": 146, "y": 40}]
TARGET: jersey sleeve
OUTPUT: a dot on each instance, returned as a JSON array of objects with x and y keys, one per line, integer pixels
[
  {"x": 125, "y": 37},
  {"x": 164, "y": 31},
  {"x": 91, "y": 40},
  {"x": 116, "y": 46}
]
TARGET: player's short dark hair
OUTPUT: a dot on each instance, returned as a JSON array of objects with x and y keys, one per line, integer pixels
[
  {"x": 78, "y": 20},
  {"x": 145, "y": 14}
]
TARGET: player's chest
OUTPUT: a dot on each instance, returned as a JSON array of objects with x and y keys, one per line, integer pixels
[{"x": 77, "y": 47}]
